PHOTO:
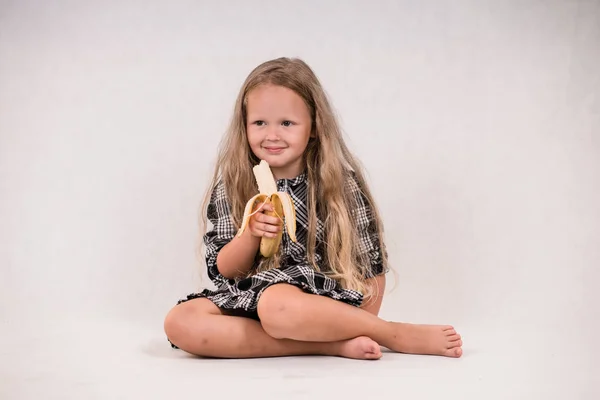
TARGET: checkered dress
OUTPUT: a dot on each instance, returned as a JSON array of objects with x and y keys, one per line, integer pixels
[{"x": 241, "y": 296}]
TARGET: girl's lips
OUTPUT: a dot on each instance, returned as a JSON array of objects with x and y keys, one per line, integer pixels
[{"x": 274, "y": 149}]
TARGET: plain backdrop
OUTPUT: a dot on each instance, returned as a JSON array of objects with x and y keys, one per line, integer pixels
[{"x": 478, "y": 123}]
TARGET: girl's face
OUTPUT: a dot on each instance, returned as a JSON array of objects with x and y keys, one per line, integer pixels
[{"x": 278, "y": 128}]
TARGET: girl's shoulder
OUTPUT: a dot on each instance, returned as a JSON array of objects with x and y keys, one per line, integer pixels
[
  {"x": 358, "y": 190},
  {"x": 352, "y": 183},
  {"x": 218, "y": 189},
  {"x": 218, "y": 196}
]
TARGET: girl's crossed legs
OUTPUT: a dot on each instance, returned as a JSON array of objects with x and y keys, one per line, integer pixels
[{"x": 296, "y": 323}]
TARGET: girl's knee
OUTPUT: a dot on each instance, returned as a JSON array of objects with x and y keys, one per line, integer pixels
[
  {"x": 276, "y": 308},
  {"x": 181, "y": 317},
  {"x": 175, "y": 323},
  {"x": 276, "y": 299}
]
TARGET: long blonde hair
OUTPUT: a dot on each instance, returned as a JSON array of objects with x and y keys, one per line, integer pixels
[{"x": 328, "y": 163}]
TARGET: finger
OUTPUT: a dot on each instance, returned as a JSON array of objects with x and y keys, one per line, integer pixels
[
  {"x": 272, "y": 221},
  {"x": 260, "y": 207},
  {"x": 267, "y": 219},
  {"x": 270, "y": 228}
]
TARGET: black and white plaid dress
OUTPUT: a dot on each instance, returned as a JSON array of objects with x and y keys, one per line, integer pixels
[{"x": 241, "y": 296}]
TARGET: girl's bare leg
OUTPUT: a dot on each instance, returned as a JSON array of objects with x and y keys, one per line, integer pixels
[
  {"x": 198, "y": 327},
  {"x": 288, "y": 313}
]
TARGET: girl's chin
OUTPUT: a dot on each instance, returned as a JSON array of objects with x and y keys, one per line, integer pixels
[{"x": 273, "y": 160}]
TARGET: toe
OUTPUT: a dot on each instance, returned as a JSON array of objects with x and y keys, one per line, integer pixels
[
  {"x": 452, "y": 345},
  {"x": 376, "y": 350},
  {"x": 448, "y": 328},
  {"x": 454, "y": 338},
  {"x": 455, "y": 352}
]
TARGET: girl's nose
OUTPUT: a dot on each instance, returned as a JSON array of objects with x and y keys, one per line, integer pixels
[{"x": 273, "y": 133}]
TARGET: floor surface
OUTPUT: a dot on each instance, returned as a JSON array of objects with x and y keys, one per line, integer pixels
[{"x": 103, "y": 359}]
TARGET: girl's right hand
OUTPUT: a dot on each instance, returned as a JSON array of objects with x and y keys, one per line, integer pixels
[{"x": 263, "y": 225}]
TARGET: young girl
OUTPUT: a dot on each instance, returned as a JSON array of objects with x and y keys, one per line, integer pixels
[{"x": 322, "y": 293}]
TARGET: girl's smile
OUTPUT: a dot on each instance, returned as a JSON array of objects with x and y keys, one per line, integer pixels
[{"x": 274, "y": 150}]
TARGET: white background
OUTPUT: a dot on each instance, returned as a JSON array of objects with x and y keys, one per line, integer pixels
[{"x": 478, "y": 123}]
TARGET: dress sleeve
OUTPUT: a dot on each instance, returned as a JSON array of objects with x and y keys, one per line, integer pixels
[
  {"x": 368, "y": 237},
  {"x": 222, "y": 231}
]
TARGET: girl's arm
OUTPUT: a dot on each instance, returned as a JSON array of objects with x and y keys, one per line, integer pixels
[
  {"x": 370, "y": 248},
  {"x": 236, "y": 258}
]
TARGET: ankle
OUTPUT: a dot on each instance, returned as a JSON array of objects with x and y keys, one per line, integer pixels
[
  {"x": 331, "y": 349},
  {"x": 386, "y": 333}
]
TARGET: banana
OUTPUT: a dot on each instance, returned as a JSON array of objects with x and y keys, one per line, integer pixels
[{"x": 282, "y": 203}]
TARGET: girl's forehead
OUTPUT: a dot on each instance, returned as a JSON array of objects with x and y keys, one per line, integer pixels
[{"x": 274, "y": 99}]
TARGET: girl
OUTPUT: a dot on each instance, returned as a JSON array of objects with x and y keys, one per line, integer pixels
[{"x": 321, "y": 295}]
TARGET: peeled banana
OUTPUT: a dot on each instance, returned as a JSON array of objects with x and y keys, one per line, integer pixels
[{"x": 282, "y": 204}]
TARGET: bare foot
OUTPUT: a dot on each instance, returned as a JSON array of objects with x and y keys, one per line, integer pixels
[
  {"x": 362, "y": 348},
  {"x": 441, "y": 340}
]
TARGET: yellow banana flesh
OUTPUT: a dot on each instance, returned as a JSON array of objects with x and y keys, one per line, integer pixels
[{"x": 283, "y": 209}]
